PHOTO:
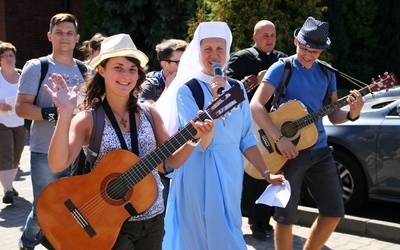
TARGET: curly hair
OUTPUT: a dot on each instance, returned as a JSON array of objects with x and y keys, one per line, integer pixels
[{"x": 94, "y": 88}]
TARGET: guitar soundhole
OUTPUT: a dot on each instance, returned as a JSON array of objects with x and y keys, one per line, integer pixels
[
  {"x": 115, "y": 190},
  {"x": 289, "y": 129}
]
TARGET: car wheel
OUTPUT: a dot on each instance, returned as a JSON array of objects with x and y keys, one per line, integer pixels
[{"x": 352, "y": 176}]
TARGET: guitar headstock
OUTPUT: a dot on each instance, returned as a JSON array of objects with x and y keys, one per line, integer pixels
[
  {"x": 229, "y": 99},
  {"x": 384, "y": 82}
]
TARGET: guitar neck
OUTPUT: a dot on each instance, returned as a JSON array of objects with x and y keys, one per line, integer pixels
[
  {"x": 328, "y": 109},
  {"x": 158, "y": 155}
]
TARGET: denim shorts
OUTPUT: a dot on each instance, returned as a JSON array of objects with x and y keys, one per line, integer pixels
[{"x": 317, "y": 167}]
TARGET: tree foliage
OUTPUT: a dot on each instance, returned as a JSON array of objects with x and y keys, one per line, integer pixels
[
  {"x": 363, "y": 32},
  {"x": 148, "y": 22}
]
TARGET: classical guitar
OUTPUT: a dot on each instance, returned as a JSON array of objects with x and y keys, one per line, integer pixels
[
  {"x": 298, "y": 126},
  {"x": 87, "y": 211}
]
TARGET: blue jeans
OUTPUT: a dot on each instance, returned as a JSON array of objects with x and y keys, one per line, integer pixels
[{"x": 41, "y": 176}]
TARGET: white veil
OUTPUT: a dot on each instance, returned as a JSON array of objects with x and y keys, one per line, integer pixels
[{"x": 189, "y": 67}]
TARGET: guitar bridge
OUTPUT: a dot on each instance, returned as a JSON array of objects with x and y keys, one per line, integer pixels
[{"x": 80, "y": 219}]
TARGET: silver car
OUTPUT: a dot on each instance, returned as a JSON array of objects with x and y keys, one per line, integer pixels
[{"x": 367, "y": 151}]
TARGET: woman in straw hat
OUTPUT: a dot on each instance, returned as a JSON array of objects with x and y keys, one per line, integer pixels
[
  {"x": 114, "y": 86},
  {"x": 203, "y": 209}
]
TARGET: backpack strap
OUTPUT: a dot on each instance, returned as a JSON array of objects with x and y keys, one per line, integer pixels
[
  {"x": 147, "y": 112},
  {"x": 84, "y": 162},
  {"x": 327, "y": 70},
  {"x": 97, "y": 134},
  {"x": 197, "y": 91},
  {"x": 44, "y": 67},
  {"x": 281, "y": 90},
  {"x": 82, "y": 67}
]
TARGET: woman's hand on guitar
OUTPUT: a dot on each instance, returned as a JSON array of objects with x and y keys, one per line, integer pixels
[
  {"x": 275, "y": 179},
  {"x": 287, "y": 148},
  {"x": 203, "y": 127}
]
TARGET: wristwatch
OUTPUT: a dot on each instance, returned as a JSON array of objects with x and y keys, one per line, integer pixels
[{"x": 194, "y": 142}]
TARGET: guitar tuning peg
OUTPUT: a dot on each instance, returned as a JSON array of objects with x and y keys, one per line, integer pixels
[
  {"x": 386, "y": 73},
  {"x": 235, "y": 107},
  {"x": 372, "y": 79}
]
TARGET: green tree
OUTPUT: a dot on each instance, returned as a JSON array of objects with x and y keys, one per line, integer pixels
[
  {"x": 242, "y": 15},
  {"x": 386, "y": 55},
  {"x": 148, "y": 22}
]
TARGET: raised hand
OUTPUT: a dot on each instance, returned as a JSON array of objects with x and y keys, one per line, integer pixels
[{"x": 63, "y": 97}]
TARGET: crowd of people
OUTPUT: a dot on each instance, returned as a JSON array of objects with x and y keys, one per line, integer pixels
[{"x": 201, "y": 188}]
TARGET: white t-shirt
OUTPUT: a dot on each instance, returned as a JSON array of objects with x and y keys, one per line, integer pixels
[{"x": 8, "y": 94}]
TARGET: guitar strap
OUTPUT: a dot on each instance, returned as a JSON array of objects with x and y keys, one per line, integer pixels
[{"x": 114, "y": 123}]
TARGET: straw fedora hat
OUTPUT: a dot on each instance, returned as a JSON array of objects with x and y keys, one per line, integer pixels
[
  {"x": 119, "y": 45},
  {"x": 313, "y": 34}
]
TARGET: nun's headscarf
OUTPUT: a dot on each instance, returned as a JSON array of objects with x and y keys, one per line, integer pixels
[{"x": 189, "y": 67}]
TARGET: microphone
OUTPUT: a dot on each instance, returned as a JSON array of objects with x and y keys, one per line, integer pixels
[{"x": 216, "y": 66}]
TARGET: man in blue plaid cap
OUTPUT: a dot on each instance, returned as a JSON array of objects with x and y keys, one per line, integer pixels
[{"x": 314, "y": 87}]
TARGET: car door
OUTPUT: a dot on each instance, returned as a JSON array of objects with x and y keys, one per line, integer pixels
[{"x": 388, "y": 151}]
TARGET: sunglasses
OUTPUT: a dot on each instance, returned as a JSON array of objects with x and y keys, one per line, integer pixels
[{"x": 177, "y": 62}]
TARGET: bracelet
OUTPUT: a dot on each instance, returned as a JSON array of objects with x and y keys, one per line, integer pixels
[
  {"x": 50, "y": 114},
  {"x": 352, "y": 119},
  {"x": 277, "y": 140},
  {"x": 265, "y": 172},
  {"x": 194, "y": 142}
]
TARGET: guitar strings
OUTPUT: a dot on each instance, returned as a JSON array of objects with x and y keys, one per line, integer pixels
[{"x": 96, "y": 204}]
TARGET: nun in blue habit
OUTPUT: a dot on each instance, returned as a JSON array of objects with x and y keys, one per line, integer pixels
[{"x": 203, "y": 209}]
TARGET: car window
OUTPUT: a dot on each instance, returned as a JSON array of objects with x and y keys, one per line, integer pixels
[
  {"x": 395, "y": 111},
  {"x": 381, "y": 104}
]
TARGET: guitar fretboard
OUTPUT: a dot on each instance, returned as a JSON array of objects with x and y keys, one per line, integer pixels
[
  {"x": 157, "y": 156},
  {"x": 328, "y": 109}
]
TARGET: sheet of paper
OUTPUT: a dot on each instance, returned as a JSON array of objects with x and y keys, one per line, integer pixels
[
  {"x": 11, "y": 101},
  {"x": 275, "y": 196}
]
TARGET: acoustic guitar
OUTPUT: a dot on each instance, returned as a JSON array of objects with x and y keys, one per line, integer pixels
[
  {"x": 87, "y": 211},
  {"x": 297, "y": 125}
]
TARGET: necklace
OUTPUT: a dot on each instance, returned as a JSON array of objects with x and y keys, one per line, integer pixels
[{"x": 123, "y": 121}]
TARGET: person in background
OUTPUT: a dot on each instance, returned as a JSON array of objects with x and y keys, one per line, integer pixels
[
  {"x": 63, "y": 35},
  {"x": 203, "y": 210},
  {"x": 12, "y": 129},
  {"x": 315, "y": 165},
  {"x": 248, "y": 65},
  {"x": 169, "y": 53},
  {"x": 91, "y": 48},
  {"x": 120, "y": 72}
]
